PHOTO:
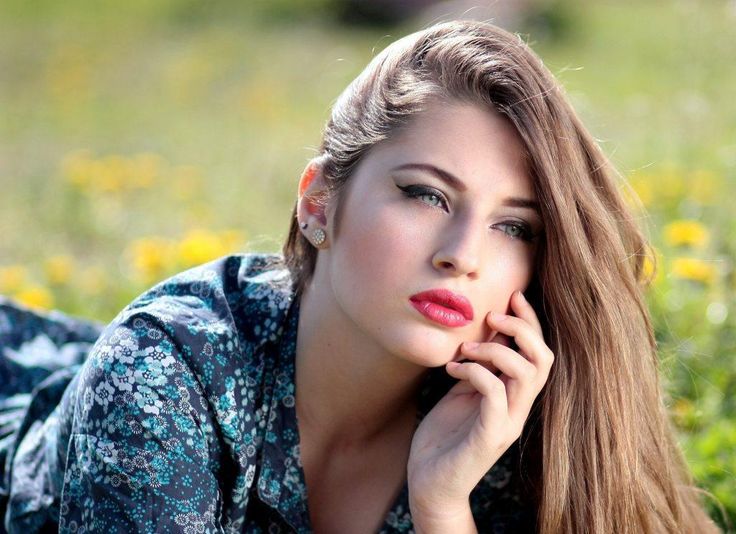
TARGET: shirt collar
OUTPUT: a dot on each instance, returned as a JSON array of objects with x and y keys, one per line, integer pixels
[{"x": 281, "y": 482}]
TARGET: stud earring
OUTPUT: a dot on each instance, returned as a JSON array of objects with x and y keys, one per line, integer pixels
[
  {"x": 303, "y": 226},
  {"x": 318, "y": 236}
]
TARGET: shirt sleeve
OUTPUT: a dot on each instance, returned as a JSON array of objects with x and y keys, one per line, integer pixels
[{"x": 140, "y": 450}]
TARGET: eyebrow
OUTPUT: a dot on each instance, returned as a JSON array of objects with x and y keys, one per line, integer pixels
[{"x": 455, "y": 182}]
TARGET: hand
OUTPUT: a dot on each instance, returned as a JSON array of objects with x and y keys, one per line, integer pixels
[{"x": 469, "y": 429}]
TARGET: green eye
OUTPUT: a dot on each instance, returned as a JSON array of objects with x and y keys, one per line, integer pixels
[
  {"x": 426, "y": 195},
  {"x": 516, "y": 230},
  {"x": 430, "y": 198}
]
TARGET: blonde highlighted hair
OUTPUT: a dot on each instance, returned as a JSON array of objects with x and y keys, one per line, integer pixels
[{"x": 601, "y": 454}]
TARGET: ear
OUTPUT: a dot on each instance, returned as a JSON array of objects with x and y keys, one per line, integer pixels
[{"x": 313, "y": 199}]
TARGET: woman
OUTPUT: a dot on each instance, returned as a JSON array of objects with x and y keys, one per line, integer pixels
[{"x": 455, "y": 339}]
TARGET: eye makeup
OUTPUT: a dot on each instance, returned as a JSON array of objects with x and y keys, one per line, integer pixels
[{"x": 428, "y": 195}]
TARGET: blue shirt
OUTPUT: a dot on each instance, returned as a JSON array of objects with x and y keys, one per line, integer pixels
[{"x": 181, "y": 416}]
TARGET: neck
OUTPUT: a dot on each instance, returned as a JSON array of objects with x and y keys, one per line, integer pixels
[{"x": 350, "y": 393}]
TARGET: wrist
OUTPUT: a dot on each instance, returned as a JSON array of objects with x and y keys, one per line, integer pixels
[{"x": 442, "y": 518}]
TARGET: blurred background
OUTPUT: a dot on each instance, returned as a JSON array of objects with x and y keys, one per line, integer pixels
[{"x": 143, "y": 137}]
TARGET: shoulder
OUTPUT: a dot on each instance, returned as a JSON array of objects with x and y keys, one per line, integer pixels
[
  {"x": 203, "y": 325},
  {"x": 215, "y": 288},
  {"x": 181, "y": 350},
  {"x": 243, "y": 298}
]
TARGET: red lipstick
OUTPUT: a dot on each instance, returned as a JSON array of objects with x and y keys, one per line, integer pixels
[{"x": 443, "y": 306}]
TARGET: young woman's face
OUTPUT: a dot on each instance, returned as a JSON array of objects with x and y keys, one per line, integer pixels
[{"x": 447, "y": 205}]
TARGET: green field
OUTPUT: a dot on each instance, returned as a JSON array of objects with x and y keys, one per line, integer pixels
[{"x": 139, "y": 139}]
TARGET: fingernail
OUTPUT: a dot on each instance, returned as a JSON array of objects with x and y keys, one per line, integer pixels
[
  {"x": 521, "y": 295},
  {"x": 453, "y": 365},
  {"x": 470, "y": 345},
  {"x": 498, "y": 316}
]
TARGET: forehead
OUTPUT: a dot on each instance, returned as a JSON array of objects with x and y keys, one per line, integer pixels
[{"x": 475, "y": 144}]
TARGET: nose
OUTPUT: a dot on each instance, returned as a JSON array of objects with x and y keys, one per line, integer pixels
[{"x": 460, "y": 254}]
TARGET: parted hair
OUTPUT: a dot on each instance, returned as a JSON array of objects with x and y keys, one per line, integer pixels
[{"x": 601, "y": 449}]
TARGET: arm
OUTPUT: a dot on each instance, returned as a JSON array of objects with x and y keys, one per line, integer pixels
[{"x": 139, "y": 456}]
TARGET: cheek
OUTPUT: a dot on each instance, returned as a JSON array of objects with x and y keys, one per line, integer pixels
[
  {"x": 371, "y": 246},
  {"x": 508, "y": 272}
]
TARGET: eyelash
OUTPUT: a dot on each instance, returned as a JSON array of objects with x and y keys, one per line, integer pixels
[{"x": 417, "y": 191}]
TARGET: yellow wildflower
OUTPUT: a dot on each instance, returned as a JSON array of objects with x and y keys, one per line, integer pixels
[
  {"x": 640, "y": 190},
  {"x": 35, "y": 296},
  {"x": 648, "y": 267},
  {"x": 199, "y": 246},
  {"x": 12, "y": 277},
  {"x": 694, "y": 269},
  {"x": 652, "y": 266},
  {"x": 686, "y": 233},
  {"x": 652, "y": 272},
  {"x": 151, "y": 257},
  {"x": 59, "y": 269}
]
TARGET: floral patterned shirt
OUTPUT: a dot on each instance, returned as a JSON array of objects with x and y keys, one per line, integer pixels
[{"x": 179, "y": 415}]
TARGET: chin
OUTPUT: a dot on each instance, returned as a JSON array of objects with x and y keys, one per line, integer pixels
[{"x": 429, "y": 350}]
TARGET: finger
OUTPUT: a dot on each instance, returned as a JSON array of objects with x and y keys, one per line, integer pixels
[
  {"x": 487, "y": 364},
  {"x": 491, "y": 336},
  {"x": 468, "y": 350},
  {"x": 520, "y": 376},
  {"x": 503, "y": 358},
  {"x": 494, "y": 405},
  {"x": 498, "y": 337},
  {"x": 527, "y": 338},
  {"x": 524, "y": 310}
]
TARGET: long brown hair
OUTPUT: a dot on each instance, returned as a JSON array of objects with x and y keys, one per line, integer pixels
[{"x": 599, "y": 433}]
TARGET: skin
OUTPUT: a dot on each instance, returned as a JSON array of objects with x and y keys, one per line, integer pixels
[{"x": 363, "y": 350}]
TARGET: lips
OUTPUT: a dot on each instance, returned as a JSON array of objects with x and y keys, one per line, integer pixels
[{"x": 443, "y": 306}]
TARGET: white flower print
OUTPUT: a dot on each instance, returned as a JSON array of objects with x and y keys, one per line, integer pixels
[
  {"x": 104, "y": 394},
  {"x": 123, "y": 382},
  {"x": 148, "y": 400}
]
